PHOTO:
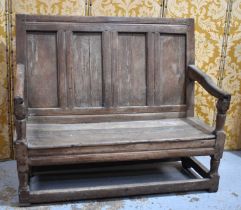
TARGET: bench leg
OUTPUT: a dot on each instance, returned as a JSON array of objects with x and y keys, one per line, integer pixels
[
  {"x": 214, "y": 164},
  {"x": 23, "y": 174},
  {"x": 23, "y": 190},
  {"x": 212, "y": 174}
]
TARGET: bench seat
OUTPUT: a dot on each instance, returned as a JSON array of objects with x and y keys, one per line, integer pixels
[
  {"x": 116, "y": 137},
  {"x": 42, "y": 136}
]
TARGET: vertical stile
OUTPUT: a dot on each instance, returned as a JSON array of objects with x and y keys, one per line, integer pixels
[
  {"x": 150, "y": 72},
  {"x": 61, "y": 48},
  {"x": 190, "y": 59},
  {"x": 156, "y": 64},
  {"x": 106, "y": 76},
  {"x": 114, "y": 67},
  {"x": 69, "y": 62}
]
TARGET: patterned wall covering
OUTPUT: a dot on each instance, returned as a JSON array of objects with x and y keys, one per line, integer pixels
[
  {"x": 232, "y": 78},
  {"x": 49, "y": 7},
  {"x": 4, "y": 116},
  {"x": 209, "y": 24},
  {"x": 132, "y": 8}
]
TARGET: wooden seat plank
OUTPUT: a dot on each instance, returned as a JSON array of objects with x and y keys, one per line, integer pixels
[{"x": 113, "y": 133}]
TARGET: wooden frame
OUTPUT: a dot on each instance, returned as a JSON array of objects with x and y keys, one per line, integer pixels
[{"x": 110, "y": 104}]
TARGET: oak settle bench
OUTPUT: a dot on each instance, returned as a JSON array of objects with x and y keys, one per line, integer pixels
[{"x": 111, "y": 89}]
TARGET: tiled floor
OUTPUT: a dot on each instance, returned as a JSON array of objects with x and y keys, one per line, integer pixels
[{"x": 227, "y": 198}]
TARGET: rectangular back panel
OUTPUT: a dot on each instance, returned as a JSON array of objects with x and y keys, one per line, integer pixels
[
  {"x": 42, "y": 70},
  {"x": 129, "y": 78},
  {"x": 88, "y": 65},
  {"x": 87, "y": 69},
  {"x": 170, "y": 69}
]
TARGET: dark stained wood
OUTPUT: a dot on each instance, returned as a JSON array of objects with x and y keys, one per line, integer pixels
[
  {"x": 83, "y": 27},
  {"x": 123, "y": 20},
  {"x": 104, "y": 89},
  {"x": 190, "y": 162}
]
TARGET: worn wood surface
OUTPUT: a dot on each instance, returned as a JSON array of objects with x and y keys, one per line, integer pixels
[
  {"x": 104, "y": 65},
  {"x": 169, "y": 66},
  {"x": 35, "y": 151},
  {"x": 118, "y": 156},
  {"x": 87, "y": 69},
  {"x": 130, "y": 76},
  {"x": 114, "y": 133},
  {"x": 104, "y": 89},
  {"x": 118, "y": 191},
  {"x": 42, "y": 73}
]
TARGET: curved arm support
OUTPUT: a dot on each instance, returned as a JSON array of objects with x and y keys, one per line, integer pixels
[{"x": 223, "y": 97}]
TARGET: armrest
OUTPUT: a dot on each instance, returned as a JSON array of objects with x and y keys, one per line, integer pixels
[
  {"x": 207, "y": 83},
  {"x": 20, "y": 111},
  {"x": 223, "y": 97},
  {"x": 19, "y": 103},
  {"x": 19, "y": 85}
]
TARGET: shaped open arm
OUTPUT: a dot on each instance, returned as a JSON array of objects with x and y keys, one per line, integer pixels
[{"x": 223, "y": 97}]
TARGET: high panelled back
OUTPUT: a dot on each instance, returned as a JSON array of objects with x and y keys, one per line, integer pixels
[{"x": 90, "y": 65}]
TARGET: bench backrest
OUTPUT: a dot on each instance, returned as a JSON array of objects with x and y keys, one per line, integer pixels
[{"x": 106, "y": 66}]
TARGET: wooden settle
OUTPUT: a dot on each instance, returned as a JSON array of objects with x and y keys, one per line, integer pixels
[{"x": 96, "y": 90}]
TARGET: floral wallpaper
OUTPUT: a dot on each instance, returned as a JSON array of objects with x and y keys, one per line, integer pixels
[
  {"x": 210, "y": 17},
  {"x": 4, "y": 116},
  {"x": 52, "y": 7},
  {"x": 232, "y": 79},
  {"x": 132, "y": 8}
]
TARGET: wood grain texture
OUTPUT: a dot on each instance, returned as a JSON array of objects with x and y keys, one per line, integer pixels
[
  {"x": 61, "y": 57},
  {"x": 87, "y": 69},
  {"x": 169, "y": 66},
  {"x": 125, "y": 147},
  {"x": 119, "y": 156},
  {"x": 42, "y": 72},
  {"x": 107, "y": 65},
  {"x": 62, "y": 119},
  {"x": 114, "y": 133},
  {"x": 19, "y": 94},
  {"x": 106, "y": 110},
  {"x": 130, "y": 76}
]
